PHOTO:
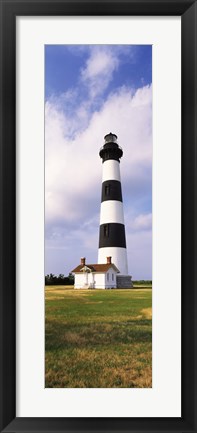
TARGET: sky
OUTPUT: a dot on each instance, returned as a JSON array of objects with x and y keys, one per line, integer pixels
[{"x": 91, "y": 90}]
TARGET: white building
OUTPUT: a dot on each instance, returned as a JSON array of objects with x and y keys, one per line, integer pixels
[{"x": 95, "y": 276}]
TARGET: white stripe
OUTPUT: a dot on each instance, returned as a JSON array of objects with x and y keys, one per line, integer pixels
[
  {"x": 111, "y": 212},
  {"x": 111, "y": 170},
  {"x": 119, "y": 257}
]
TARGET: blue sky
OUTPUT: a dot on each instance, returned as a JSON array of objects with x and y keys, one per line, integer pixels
[{"x": 91, "y": 90}]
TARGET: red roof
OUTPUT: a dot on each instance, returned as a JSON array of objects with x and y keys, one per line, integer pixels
[{"x": 96, "y": 268}]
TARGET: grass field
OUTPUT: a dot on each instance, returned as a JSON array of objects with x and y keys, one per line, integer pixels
[{"x": 98, "y": 338}]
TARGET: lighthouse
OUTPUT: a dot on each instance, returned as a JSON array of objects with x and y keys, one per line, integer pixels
[{"x": 112, "y": 238}]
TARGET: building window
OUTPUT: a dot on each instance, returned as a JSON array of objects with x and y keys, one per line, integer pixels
[
  {"x": 112, "y": 277},
  {"x": 107, "y": 276},
  {"x": 106, "y": 230},
  {"x": 107, "y": 190}
]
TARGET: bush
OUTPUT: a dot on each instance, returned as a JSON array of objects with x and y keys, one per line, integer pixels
[{"x": 53, "y": 280}]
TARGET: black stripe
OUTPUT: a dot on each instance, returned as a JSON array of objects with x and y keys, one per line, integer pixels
[
  {"x": 112, "y": 235},
  {"x": 111, "y": 190}
]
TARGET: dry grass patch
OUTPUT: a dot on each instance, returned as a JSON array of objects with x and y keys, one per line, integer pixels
[
  {"x": 147, "y": 312},
  {"x": 87, "y": 369},
  {"x": 92, "y": 302},
  {"x": 73, "y": 337}
]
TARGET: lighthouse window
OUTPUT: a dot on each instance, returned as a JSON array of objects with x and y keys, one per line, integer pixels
[
  {"x": 107, "y": 190},
  {"x": 112, "y": 275},
  {"x": 107, "y": 277},
  {"x": 106, "y": 230}
]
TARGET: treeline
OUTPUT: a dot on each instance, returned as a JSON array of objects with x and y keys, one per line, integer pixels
[
  {"x": 61, "y": 279},
  {"x": 142, "y": 282}
]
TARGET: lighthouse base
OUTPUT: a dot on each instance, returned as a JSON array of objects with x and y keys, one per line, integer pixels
[{"x": 124, "y": 282}]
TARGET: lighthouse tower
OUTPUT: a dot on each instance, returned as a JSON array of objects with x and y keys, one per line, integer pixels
[{"x": 112, "y": 240}]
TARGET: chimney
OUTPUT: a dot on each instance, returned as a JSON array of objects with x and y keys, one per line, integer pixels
[
  {"x": 83, "y": 261},
  {"x": 109, "y": 260}
]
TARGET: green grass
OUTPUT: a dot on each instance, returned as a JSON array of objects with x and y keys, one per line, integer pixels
[{"x": 98, "y": 338}]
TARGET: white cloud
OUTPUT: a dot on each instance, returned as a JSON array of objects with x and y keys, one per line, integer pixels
[
  {"x": 139, "y": 252},
  {"x": 73, "y": 172},
  {"x": 73, "y": 167},
  {"x": 100, "y": 63},
  {"x": 141, "y": 222},
  {"x": 99, "y": 69}
]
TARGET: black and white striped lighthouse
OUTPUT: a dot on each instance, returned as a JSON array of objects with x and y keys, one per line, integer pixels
[{"x": 112, "y": 239}]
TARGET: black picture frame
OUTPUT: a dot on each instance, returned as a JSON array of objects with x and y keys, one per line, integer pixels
[{"x": 10, "y": 9}]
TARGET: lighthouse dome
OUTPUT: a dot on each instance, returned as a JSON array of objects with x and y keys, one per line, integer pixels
[
  {"x": 111, "y": 138},
  {"x": 110, "y": 149}
]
